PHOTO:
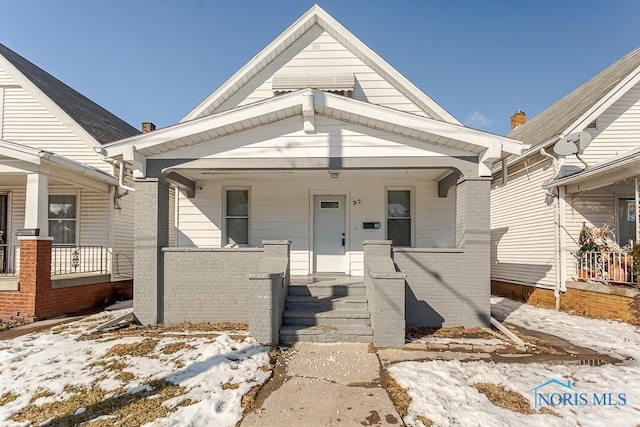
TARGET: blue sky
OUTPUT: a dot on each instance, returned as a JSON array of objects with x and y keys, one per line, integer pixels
[{"x": 480, "y": 60}]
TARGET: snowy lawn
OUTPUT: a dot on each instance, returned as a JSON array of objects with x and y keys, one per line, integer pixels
[
  {"x": 447, "y": 392},
  {"x": 148, "y": 377}
]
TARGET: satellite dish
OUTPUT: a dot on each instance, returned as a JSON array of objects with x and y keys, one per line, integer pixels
[{"x": 574, "y": 143}]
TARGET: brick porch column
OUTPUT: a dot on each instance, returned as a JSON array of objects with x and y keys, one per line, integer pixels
[
  {"x": 473, "y": 235},
  {"x": 35, "y": 273},
  {"x": 151, "y": 234}
]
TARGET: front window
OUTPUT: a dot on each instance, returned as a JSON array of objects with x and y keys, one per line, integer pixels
[
  {"x": 63, "y": 220},
  {"x": 237, "y": 217},
  {"x": 399, "y": 217}
]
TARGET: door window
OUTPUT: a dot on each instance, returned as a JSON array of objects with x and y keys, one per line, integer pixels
[{"x": 399, "y": 217}]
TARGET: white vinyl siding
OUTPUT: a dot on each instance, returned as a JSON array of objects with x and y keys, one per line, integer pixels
[
  {"x": 618, "y": 130},
  {"x": 26, "y": 121},
  {"x": 278, "y": 214},
  {"x": 123, "y": 221},
  {"x": 317, "y": 51},
  {"x": 522, "y": 229}
]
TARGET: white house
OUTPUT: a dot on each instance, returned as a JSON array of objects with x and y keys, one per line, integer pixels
[
  {"x": 536, "y": 219},
  {"x": 320, "y": 142},
  {"x": 54, "y": 178}
]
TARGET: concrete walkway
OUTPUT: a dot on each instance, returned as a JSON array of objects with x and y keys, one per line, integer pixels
[{"x": 327, "y": 385}]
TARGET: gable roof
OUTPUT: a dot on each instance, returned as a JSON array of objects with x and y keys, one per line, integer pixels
[
  {"x": 563, "y": 116},
  {"x": 270, "y": 110},
  {"x": 317, "y": 16},
  {"x": 99, "y": 123}
]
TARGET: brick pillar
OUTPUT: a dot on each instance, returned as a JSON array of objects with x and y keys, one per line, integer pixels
[
  {"x": 473, "y": 236},
  {"x": 151, "y": 234},
  {"x": 35, "y": 274}
]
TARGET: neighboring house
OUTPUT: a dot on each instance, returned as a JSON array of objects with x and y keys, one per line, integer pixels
[
  {"x": 536, "y": 219},
  {"x": 54, "y": 178},
  {"x": 316, "y": 142}
]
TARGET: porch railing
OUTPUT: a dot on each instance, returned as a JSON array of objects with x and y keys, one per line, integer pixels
[
  {"x": 605, "y": 267},
  {"x": 70, "y": 259},
  {"x": 9, "y": 259}
]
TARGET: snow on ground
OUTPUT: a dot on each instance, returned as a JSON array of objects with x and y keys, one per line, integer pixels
[
  {"x": 443, "y": 391},
  {"x": 54, "y": 362}
]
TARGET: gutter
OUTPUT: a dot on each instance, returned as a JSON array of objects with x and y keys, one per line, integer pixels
[
  {"x": 88, "y": 171},
  {"x": 531, "y": 150}
]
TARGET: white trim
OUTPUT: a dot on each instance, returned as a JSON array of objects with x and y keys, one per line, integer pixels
[
  {"x": 316, "y": 15},
  {"x": 347, "y": 219},
  {"x": 357, "y": 109},
  {"x": 225, "y": 189},
  {"x": 412, "y": 203},
  {"x": 111, "y": 236}
]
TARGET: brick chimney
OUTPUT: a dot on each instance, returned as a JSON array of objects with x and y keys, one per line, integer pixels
[
  {"x": 518, "y": 118},
  {"x": 150, "y": 127}
]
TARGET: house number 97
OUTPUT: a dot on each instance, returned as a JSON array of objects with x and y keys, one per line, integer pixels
[{"x": 356, "y": 201}]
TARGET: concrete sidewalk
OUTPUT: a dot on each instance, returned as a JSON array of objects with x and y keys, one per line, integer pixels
[{"x": 328, "y": 385}]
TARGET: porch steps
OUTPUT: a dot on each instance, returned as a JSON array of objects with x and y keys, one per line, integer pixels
[{"x": 326, "y": 310}]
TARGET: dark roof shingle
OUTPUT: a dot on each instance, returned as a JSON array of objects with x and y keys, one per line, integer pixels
[
  {"x": 559, "y": 116},
  {"x": 99, "y": 123}
]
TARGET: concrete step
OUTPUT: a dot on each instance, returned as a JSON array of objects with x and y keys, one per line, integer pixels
[
  {"x": 326, "y": 318},
  {"x": 291, "y": 334},
  {"x": 327, "y": 289},
  {"x": 310, "y": 303}
]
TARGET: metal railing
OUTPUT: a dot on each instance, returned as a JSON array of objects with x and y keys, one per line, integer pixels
[
  {"x": 71, "y": 259},
  {"x": 605, "y": 267},
  {"x": 9, "y": 259}
]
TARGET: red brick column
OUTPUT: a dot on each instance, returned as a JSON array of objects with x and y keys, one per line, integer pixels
[{"x": 35, "y": 272}]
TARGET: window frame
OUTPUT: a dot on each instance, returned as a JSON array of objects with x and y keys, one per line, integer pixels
[
  {"x": 225, "y": 190},
  {"x": 412, "y": 216},
  {"x": 75, "y": 194}
]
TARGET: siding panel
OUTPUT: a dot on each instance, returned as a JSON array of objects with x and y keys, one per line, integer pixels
[
  {"x": 318, "y": 52},
  {"x": 522, "y": 229}
]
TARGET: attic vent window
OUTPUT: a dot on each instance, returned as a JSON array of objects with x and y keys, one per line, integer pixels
[
  {"x": 341, "y": 83},
  {"x": 593, "y": 125}
]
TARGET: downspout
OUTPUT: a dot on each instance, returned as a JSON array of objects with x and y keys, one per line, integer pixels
[
  {"x": 556, "y": 234},
  {"x": 121, "y": 183},
  {"x": 505, "y": 174}
]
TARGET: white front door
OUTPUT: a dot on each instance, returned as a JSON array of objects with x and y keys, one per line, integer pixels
[{"x": 329, "y": 219}]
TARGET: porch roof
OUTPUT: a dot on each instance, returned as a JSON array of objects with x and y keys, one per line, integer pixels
[
  {"x": 621, "y": 167},
  {"x": 208, "y": 128},
  {"x": 24, "y": 159}
]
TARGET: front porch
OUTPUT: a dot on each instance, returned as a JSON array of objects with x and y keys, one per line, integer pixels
[
  {"x": 412, "y": 285},
  {"x": 50, "y": 281}
]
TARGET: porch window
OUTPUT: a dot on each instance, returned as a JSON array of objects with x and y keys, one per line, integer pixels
[
  {"x": 63, "y": 220},
  {"x": 237, "y": 217},
  {"x": 399, "y": 217},
  {"x": 626, "y": 220}
]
